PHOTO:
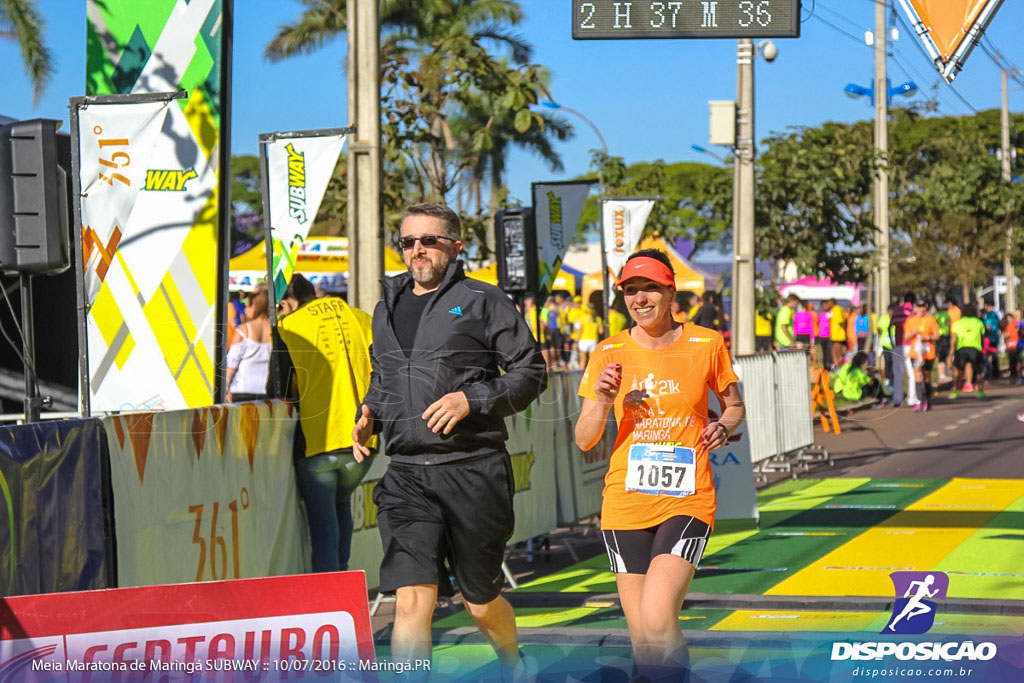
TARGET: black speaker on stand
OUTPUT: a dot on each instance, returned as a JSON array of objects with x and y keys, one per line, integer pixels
[{"x": 33, "y": 225}]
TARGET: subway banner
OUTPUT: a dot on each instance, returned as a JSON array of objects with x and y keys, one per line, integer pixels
[
  {"x": 297, "y": 168},
  {"x": 148, "y": 268},
  {"x": 622, "y": 225},
  {"x": 154, "y": 276},
  {"x": 310, "y": 627},
  {"x": 207, "y": 493},
  {"x": 557, "y": 208}
]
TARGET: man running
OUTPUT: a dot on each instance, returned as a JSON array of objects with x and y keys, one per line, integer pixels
[
  {"x": 920, "y": 333},
  {"x": 451, "y": 358},
  {"x": 968, "y": 362}
]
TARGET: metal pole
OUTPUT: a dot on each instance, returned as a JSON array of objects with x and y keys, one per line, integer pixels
[
  {"x": 220, "y": 387},
  {"x": 590, "y": 123},
  {"x": 881, "y": 150},
  {"x": 29, "y": 332},
  {"x": 743, "y": 231},
  {"x": 365, "y": 228},
  {"x": 1011, "y": 279}
]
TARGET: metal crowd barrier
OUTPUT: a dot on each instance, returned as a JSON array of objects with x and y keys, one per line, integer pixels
[{"x": 777, "y": 396}]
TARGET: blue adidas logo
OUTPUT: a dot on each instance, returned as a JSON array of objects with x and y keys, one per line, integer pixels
[{"x": 456, "y": 311}]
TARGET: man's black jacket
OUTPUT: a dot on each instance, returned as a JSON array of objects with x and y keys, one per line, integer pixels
[{"x": 470, "y": 331}]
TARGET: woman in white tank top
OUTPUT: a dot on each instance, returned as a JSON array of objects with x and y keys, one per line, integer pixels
[{"x": 249, "y": 355}]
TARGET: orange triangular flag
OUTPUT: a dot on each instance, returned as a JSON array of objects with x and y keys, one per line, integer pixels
[
  {"x": 950, "y": 28},
  {"x": 250, "y": 424},
  {"x": 198, "y": 430},
  {"x": 140, "y": 429}
]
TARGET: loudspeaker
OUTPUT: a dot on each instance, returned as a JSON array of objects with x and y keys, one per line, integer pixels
[
  {"x": 516, "y": 241},
  {"x": 33, "y": 200}
]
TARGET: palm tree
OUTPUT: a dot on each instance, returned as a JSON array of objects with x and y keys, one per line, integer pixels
[
  {"x": 443, "y": 36},
  {"x": 20, "y": 21},
  {"x": 489, "y": 164}
]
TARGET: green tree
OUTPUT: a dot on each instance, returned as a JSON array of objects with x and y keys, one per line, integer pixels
[
  {"x": 488, "y": 165},
  {"x": 21, "y": 22},
  {"x": 687, "y": 194},
  {"x": 436, "y": 63}
]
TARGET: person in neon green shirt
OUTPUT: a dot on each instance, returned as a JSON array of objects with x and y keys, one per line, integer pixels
[
  {"x": 967, "y": 359},
  {"x": 886, "y": 340},
  {"x": 942, "y": 345},
  {"x": 853, "y": 381},
  {"x": 784, "y": 336}
]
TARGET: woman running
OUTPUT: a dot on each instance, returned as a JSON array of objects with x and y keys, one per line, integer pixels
[{"x": 659, "y": 498}]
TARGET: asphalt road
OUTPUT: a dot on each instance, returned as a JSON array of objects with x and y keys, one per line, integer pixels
[{"x": 968, "y": 437}]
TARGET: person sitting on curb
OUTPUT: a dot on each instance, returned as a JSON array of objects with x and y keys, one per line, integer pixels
[{"x": 855, "y": 380}]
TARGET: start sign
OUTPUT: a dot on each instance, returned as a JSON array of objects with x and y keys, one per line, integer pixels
[{"x": 597, "y": 19}]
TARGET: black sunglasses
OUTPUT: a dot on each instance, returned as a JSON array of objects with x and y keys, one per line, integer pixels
[{"x": 425, "y": 240}]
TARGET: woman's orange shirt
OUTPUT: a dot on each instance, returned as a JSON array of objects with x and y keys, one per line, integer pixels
[{"x": 663, "y": 400}]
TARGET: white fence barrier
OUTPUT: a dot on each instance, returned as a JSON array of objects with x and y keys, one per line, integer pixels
[{"x": 777, "y": 396}]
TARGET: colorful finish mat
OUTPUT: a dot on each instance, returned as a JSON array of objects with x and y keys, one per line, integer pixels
[{"x": 842, "y": 537}]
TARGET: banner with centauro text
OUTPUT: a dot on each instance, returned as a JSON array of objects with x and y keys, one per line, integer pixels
[
  {"x": 159, "y": 326},
  {"x": 622, "y": 225},
  {"x": 299, "y": 167},
  {"x": 557, "y": 208},
  {"x": 148, "y": 257},
  {"x": 207, "y": 493}
]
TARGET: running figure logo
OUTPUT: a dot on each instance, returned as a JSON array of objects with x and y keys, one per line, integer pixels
[{"x": 914, "y": 613}]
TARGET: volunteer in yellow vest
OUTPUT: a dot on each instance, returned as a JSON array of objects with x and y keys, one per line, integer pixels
[
  {"x": 530, "y": 313},
  {"x": 617, "y": 320},
  {"x": 762, "y": 333},
  {"x": 837, "y": 332},
  {"x": 322, "y": 353},
  {"x": 588, "y": 332}
]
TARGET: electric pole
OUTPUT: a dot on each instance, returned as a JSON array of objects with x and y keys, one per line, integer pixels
[
  {"x": 881, "y": 151},
  {"x": 743, "y": 206},
  {"x": 365, "y": 227},
  {"x": 1011, "y": 280}
]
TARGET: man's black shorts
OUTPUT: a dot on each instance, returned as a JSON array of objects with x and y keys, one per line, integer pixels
[
  {"x": 555, "y": 339},
  {"x": 972, "y": 356},
  {"x": 942, "y": 349},
  {"x": 460, "y": 512}
]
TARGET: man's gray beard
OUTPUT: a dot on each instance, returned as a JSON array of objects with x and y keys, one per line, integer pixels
[{"x": 428, "y": 278}]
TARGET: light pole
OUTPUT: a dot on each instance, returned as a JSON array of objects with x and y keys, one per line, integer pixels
[
  {"x": 743, "y": 196},
  {"x": 704, "y": 150},
  {"x": 881, "y": 184},
  {"x": 555, "y": 105}
]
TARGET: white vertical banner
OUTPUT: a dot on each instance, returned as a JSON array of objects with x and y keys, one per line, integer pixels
[
  {"x": 299, "y": 168},
  {"x": 557, "y": 208},
  {"x": 622, "y": 225},
  {"x": 147, "y": 207}
]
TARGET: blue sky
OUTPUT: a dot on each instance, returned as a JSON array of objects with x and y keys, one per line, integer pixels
[{"x": 648, "y": 97}]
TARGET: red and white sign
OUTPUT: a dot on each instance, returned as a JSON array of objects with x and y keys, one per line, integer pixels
[{"x": 307, "y": 628}]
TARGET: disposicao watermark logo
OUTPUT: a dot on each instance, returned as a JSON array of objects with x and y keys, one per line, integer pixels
[{"x": 914, "y": 612}]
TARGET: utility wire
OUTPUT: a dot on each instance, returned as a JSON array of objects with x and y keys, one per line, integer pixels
[{"x": 859, "y": 40}]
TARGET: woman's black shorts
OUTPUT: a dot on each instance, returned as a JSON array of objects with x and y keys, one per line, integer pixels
[{"x": 631, "y": 551}]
